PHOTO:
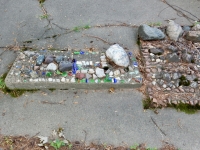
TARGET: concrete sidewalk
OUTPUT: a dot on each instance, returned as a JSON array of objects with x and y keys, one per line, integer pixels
[
  {"x": 116, "y": 118},
  {"x": 107, "y": 118}
]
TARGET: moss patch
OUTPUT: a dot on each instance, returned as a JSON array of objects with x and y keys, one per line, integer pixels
[
  {"x": 12, "y": 93},
  {"x": 183, "y": 81},
  {"x": 186, "y": 108}
]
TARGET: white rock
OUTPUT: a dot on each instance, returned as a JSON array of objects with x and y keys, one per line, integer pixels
[
  {"x": 31, "y": 80},
  {"x": 196, "y": 27},
  {"x": 151, "y": 54},
  {"x": 94, "y": 76},
  {"x": 100, "y": 72},
  {"x": 91, "y": 71},
  {"x": 118, "y": 78},
  {"x": 67, "y": 80},
  {"x": 73, "y": 80},
  {"x": 116, "y": 73},
  {"x": 118, "y": 55},
  {"x": 174, "y": 30},
  {"x": 79, "y": 63},
  {"x": 62, "y": 79},
  {"x": 87, "y": 63},
  {"x": 83, "y": 62},
  {"x": 130, "y": 68},
  {"x": 96, "y": 81},
  {"x": 35, "y": 80},
  {"x": 84, "y": 71},
  {"x": 43, "y": 79},
  {"x": 52, "y": 66},
  {"x": 91, "y": 63},
  {"x": 107, "y": 71},
  {"x": 50, "y": 79},
  {"x": 164, "y": 85},
  {"x": 158, "y": 60},
  {"x": 103, "y": 57},
  {"x": 111, "y": 73},
  {"x": 57, "y": 80}
]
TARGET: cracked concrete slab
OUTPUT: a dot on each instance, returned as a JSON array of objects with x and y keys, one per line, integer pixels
[{"x": 116, "y": 118}]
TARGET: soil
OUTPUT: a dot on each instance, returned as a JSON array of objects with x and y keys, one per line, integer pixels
[{"x": 31, "y": 143}]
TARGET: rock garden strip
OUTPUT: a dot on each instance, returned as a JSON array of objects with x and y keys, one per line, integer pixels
[{"x": 171, "y": 63}]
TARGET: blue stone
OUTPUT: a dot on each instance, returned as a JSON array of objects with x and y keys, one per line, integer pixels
[
  {"x": 130, "y": 54},
  {"x": 82, "y": 52},
  {"x": 115, "y": 80},
  {"x": 59, "y": 59},
  {"x": 135, "y": 64},
  {"x": 39, "y": 60}
]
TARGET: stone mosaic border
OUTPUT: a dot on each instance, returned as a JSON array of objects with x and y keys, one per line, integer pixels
[{"x": 28, "y": 73}]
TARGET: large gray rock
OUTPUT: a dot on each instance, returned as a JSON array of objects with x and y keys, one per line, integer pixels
[
  {"x": 65, "y": 66},
  {"x": 166, "y": 77},
  {"x": 173, "y": 57},
  {"x": 146, "y": 32},
  {"x": 187, "y": 58},
  {"x": 157, "y": 51},
  {"x": 174, "y": 30},
  {"x": 193, "y": 36},
  {"x": 118, "y": 55}
]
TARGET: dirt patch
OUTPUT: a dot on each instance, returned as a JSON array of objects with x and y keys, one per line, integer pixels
[{"x": 26, "y": 143}]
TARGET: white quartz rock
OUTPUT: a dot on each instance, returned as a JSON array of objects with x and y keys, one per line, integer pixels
[
  {"x": 52, "y": 66},
  {"x": 100, "y": 72},
  {"x": 118, "y": 55},
  {"x": 174, "y": 30}
]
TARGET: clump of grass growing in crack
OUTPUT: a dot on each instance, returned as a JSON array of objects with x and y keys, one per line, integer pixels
[
  {"x": 12, "y": 93},
  {"x": 44, "y": 16},
  {"x": 155, "y": 24},
  {"x": 147, "y": 103},
  {"x": 186, "y": 108},
  {"x": 79, "y": 28}
]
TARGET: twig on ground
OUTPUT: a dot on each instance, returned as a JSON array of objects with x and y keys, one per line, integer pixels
[
  {"x": 179, "y": 124},
  {"x": 180, "y": 13},
  {"x": 98, "y": 38},
  {"x": 47, "y": 102},
  {"x": 158, "y": 127}
]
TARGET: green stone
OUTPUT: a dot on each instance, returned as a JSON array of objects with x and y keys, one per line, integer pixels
[
  {"x": 64, "y": 74},
  {"x": 92, "y": 81},
  {"x": 76, "y": 53},
  {"x": 58, "y": 72},
  {"x": 82, "y": 81},
  {"x": 48, "y": 74},
  {"x": 122, "y": 81}
]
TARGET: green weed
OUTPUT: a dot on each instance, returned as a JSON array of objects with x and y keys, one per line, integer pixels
[
  {"x": 79, "y": 28},
  {"x": 44, "y": 16},
  {"x": 186, "y": 108},
  {"x": 134, "y": 147},
  {"x": 70, "y": 146},
  {"x": 57, "y": 144},
  {"x": 151, "y": 148},
  {"x": 12, "y": 93},
  {"x": 147, "y": 103},
  {"x": 155, "y": 24}
]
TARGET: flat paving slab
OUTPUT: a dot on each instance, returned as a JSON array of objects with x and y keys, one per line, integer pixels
[{"x": 26, "y": 73}]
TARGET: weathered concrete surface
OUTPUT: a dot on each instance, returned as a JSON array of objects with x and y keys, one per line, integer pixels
[
  {"x": 106, "y": 118},
  {"x": 6, "y": 59},
  {"x": 27, "y": 24},
  {"x": 116, "y": 118}
]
